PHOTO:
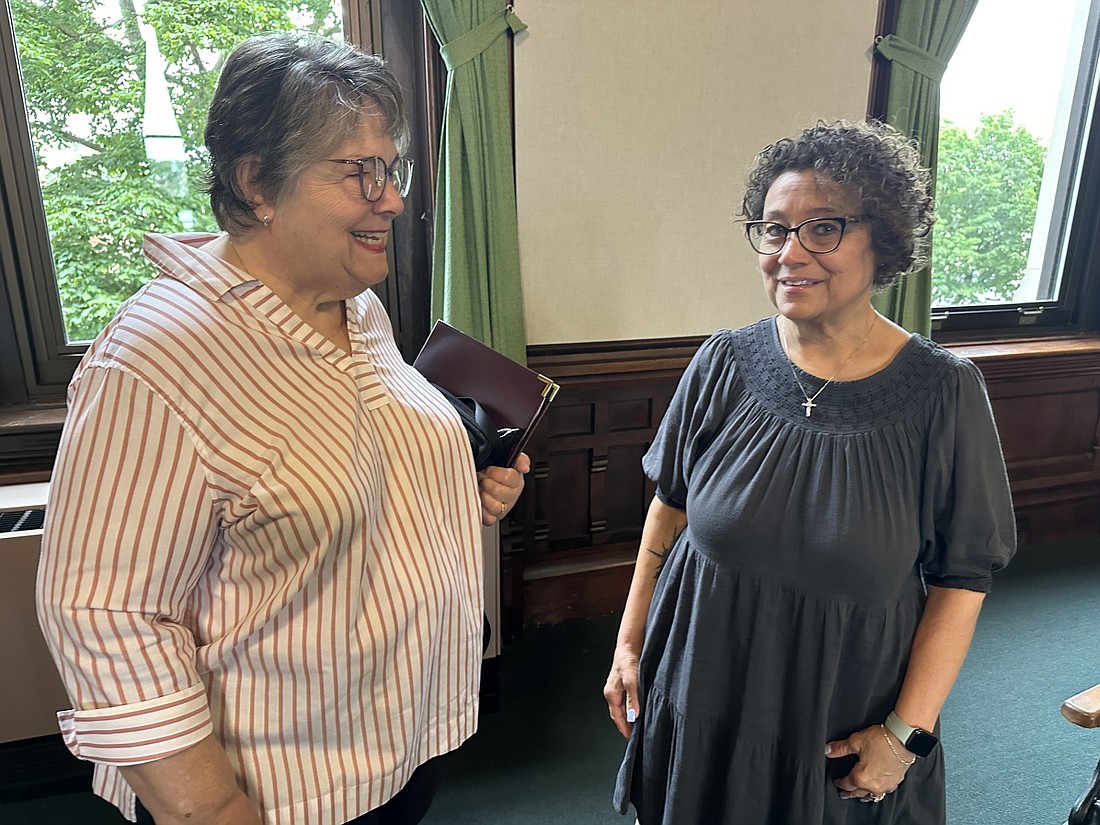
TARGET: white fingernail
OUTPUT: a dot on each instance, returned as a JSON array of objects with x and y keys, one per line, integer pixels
[{"x": 631, "y": 715}]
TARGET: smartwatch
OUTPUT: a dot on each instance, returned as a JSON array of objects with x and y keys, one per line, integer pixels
[{"x": 917, "y": 741}]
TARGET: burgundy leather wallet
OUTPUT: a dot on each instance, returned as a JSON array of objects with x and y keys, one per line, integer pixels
[{"x": 512, "y": 395}]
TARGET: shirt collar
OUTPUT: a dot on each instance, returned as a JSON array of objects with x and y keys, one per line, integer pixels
[{"x": 181, "y": 257}]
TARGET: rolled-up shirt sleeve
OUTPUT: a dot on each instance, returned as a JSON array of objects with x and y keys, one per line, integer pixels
[{"x": 130, "y": 527}]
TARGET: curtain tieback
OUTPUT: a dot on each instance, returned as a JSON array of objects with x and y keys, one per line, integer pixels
[
  {"x": 911, "y": 56},
  {"x": 466, "y": 47}
]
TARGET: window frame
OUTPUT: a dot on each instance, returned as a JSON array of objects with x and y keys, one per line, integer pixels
[
  {"x": 33, "y": 383},
  {"x": 1077, "y": 309},
  {"x": 33, "y": 322}
]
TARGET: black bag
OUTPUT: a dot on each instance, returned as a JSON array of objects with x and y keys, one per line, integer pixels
[
  {"x": 489, "y": 444},
  {"x": 1087, "y": 809}
]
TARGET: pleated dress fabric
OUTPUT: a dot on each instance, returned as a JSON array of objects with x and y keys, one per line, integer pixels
[{"x": 784, "y": 615}]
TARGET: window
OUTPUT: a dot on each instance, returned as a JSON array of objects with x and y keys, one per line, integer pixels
[
  {"x": 1013, "y": 186},
  {"x": 111, "y": 146},
  {"x": 101, "y": 116},
  {"x": 117, "y": 135}
]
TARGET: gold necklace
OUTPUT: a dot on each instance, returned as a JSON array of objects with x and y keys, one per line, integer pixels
[
  {"x": 237, "y": 255},
  {"x": 342, "y": 328},
  {"x": 809, "y": 404}
]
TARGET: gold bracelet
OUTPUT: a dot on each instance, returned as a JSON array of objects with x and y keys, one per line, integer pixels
[{"x": 886, "y": 736}]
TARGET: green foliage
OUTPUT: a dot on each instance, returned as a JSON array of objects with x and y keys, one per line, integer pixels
[
  {"x": 987, "y": 191},
  {"x": 84, "y": 84}
]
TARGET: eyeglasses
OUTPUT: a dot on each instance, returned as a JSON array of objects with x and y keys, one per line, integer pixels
[
  {"x": 817, "y": 235},
  {"x": 373, "y": 174}
]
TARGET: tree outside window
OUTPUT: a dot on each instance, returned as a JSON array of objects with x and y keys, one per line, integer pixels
[
  {"x": 117, "y": 95},
  {"x": 987, "y": 194},
  {"x": 1013, "y": 101}
]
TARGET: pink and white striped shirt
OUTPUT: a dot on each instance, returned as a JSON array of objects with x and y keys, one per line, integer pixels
[{"x": 254, "y": 533}]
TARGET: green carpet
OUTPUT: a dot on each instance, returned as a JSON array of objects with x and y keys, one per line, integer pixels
[
  {"x": 1011, "y": 758},
  {"x": 549, "y": 755}
]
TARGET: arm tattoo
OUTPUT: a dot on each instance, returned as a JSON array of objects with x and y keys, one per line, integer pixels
[{"x": 662, "y": 554}]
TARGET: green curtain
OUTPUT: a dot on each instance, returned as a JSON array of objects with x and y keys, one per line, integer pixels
[
  {"x": 927, "y": 33},
  {"x": 475, "y": 261}
]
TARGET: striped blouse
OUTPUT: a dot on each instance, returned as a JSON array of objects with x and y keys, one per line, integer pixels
[{"x": 255, "y": 534}]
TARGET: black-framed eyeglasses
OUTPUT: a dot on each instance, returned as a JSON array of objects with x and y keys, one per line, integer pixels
[
  {"x": 817, "y": 235},
  {"x": 373, "y": 174}
]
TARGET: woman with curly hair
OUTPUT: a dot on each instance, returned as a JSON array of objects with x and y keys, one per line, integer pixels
[{"x": 831, "y": 504}]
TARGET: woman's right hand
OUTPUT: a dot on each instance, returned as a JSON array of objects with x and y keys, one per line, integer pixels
[
  {"x": 621, "y": 690},
  {"x": 663, "y": 523}
]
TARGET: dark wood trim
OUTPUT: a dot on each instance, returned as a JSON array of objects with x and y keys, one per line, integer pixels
[
  {"x": 399, "y": 32},
  {"x": 29, "y": 436},
  {"x": 593, "y": 358},
  {"x": 1066, "y": 355},
  {"x": 878, "y": 94},
  {"x": 32, "y": 317},
  {"x": 1046, "y": 399},
  {"x": 581, "y": 514}
]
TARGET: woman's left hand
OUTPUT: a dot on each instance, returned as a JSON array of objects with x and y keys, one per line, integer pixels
[
  {"x": 878, "y": 772},
  {"x": 500, "y": 488}
]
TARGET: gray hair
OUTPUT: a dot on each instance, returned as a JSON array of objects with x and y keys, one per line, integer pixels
[
  {"x": 875, "y": 164},
  {"x": 287, "y": 100}
]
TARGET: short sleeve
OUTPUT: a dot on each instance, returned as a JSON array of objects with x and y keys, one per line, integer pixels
[
  {"x": 697, "y": 409},
  {"x": 969, "y": 528}
]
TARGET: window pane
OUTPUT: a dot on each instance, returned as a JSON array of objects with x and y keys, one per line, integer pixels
[
  {"x": 117, "y": 93},
  {"x": 1013, "y": 106}
]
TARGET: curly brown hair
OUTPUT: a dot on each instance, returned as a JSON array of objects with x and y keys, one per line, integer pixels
[{"x": 874, "y": 163}]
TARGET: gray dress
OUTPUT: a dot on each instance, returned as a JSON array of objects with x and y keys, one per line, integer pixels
[{"x": 784, "y": 615}]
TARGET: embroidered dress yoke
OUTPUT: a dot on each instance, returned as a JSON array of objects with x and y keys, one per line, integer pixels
[
  {"x": 255, "y": 534},
  {"x": 783, "y": 616}
]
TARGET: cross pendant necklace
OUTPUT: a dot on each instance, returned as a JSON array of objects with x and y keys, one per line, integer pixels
[{"x": 808, "y": 405}]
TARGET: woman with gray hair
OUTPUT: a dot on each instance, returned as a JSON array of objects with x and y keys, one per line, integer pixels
[
  {"x": 831, "y": 504},
  {"x": 261, "y": 573}
]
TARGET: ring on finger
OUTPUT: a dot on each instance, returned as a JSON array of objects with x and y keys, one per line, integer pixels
[{"x": 503, "y": 508}]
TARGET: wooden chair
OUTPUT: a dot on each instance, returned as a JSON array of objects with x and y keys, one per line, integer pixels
[{"x": 1084, "y": 710}]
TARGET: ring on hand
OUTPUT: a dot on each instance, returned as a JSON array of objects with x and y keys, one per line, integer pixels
[
  {"x": 878, "y": 797},
  {"x": 503, "y": 508}
]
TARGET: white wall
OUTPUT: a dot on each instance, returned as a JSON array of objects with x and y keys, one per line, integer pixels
[{"x": 612, "y": 98}]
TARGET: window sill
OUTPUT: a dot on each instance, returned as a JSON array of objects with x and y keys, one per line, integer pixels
[
  {"x": 1008, "y": 347},
  {"x": 29, "y": 435},
  {"x": 1034, "y": 357}
]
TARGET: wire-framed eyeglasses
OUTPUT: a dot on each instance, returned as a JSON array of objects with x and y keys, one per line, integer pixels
[
  {"x": 817, "y": 235},
  {"x": 373, "y": 174}
]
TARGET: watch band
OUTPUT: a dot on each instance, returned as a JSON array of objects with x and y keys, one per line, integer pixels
[
  {"x": 901, "y": 731},
  {"x": 917, "y": 741}
]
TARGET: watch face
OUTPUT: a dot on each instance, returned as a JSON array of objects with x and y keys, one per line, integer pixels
[{"x": 921, "y": 742}]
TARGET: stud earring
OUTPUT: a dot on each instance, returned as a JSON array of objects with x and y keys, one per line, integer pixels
[{"x": 267, "y": 220}]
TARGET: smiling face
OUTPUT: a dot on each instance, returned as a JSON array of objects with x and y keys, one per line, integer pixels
[
  {"x": 826, "y": 289},
  {"x": 324, "y": 238}
]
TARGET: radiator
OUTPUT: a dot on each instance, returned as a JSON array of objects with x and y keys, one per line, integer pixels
[{"x": 30, "y": 690}]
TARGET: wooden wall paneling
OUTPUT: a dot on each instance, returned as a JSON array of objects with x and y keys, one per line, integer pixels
[
  {"x": 582, "y": 524},
  {"x": 573, "y": 537},
  {"x": 1046, "y": 401},
  {"x": 1046, "y": 431}
]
